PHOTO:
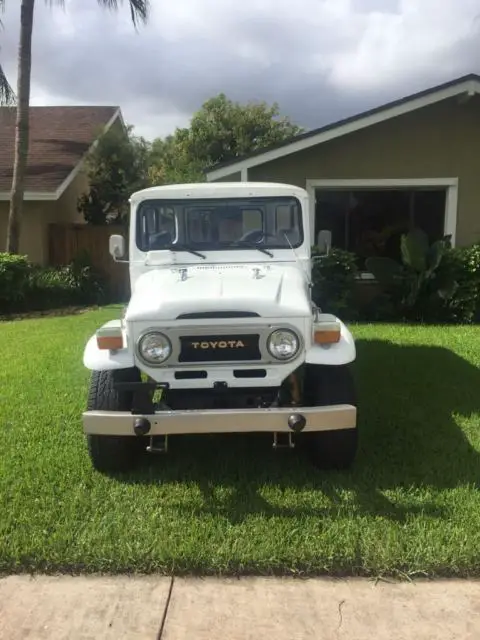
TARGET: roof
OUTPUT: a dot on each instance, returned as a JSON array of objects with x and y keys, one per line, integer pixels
[
  {"x": 468, "y": 84},
  {"x": 217, "y": 190},
  {"x": 59, "y": 139}
]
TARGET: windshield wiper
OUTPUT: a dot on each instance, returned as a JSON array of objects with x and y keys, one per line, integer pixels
[
  {"x": 250, "y": 245},
  {"x": 183, "y": 247}
]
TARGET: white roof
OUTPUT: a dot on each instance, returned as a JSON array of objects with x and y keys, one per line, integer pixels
[{"x": 218, "y": 190}]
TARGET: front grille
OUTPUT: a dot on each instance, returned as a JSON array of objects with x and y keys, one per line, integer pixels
[{"x": 223, "y": 348}]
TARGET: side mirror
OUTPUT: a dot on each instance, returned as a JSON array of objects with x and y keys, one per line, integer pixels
[
  {"x": 324, "y": 241},
  {"x": 116, "y": 246}
]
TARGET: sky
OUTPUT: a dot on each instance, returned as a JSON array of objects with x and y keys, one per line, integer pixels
[{"x": 320, "y": 60}]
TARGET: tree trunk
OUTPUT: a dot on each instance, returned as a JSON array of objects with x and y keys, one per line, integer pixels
[{"x": 22, "y": 126}]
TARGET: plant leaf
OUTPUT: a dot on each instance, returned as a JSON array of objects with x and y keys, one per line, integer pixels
[
  {"x": 435, "y": 255},
  {"x": 414, "y": 248}
]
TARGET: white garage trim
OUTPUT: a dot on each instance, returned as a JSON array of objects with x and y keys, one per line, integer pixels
[{"x": 450, "y": 184}]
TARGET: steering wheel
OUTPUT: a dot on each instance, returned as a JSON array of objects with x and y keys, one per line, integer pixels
[{"x": 255, "y": 236}]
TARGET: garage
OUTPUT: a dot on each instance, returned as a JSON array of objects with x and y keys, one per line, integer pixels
[{"x": 371, "y": 177}]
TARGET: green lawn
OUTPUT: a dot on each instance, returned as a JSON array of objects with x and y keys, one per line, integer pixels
[{"x": 231, "y": 504}]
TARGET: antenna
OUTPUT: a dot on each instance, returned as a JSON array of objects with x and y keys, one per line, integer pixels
[{"x": 307, "y": 277}]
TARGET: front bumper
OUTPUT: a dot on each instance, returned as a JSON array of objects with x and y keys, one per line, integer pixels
[{"x": 271, "y": 420}]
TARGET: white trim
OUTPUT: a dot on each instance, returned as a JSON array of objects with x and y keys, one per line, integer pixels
[
  {"x": 55, "y": 195},
  {"x": 244, "y": 174},
  {"x": 451, "y": 185},
  {"x": 30, "y": 195},
  {"x": 374, "y": 183},
  {"x": 470, "y": 87},
  {"x": 451, "y": 211},
  {"x": 76, "y": 170}
]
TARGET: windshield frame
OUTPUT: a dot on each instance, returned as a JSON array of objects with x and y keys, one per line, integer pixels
[{"x": 269, "y": 214}]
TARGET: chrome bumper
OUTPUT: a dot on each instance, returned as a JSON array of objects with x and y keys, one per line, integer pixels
[{"x": 327, "y": 418}]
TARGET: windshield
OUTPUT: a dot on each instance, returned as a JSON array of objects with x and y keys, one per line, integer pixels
[{"x": 209, "y": 225}]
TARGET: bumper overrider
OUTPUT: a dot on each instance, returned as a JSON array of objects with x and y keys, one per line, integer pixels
[{"x": 276, "y": 419}]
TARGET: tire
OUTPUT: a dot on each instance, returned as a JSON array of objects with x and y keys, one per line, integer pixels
[
  {"x": 327, "y": 385},
  {"x": 112, "y": 454}
]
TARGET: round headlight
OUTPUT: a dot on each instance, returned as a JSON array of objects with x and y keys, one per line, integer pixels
[
  {"x": 154, "y": 347},
  {"x": 283, "y": 344}
]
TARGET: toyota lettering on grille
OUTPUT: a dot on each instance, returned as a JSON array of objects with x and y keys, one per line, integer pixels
[
  {"x": 219, "y": 348},
  {"x": 219, "y": 344}
]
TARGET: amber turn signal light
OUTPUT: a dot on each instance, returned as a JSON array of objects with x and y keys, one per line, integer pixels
[
  {"x": 110, "y": 342},
  {"x": 327, "y": 337}
]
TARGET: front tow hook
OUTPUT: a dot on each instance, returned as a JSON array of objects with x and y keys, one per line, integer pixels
[
  {"x": 297, "y": 422},
  {"x": 141, "y": 426}
]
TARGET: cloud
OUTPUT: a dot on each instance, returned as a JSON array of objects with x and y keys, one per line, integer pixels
[{"x": 319, "y": 59}]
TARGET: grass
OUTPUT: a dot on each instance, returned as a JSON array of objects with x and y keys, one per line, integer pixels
[{"x": 230, "y": 504}]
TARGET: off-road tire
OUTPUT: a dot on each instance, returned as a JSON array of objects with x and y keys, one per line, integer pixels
[
  {"x": 112, "y": 454},
  {"x": 327, "y": 385}
]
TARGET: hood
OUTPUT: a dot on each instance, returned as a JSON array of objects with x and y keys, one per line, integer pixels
[{"x": 272, "y": 291}]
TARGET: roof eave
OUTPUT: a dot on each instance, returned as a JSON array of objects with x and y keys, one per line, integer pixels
[
  {"x": 468, "y": 85},
  {"x": 56, "y": 194}
]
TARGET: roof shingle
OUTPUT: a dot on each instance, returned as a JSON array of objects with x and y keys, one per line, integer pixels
[{"x": 59, "y": 137}]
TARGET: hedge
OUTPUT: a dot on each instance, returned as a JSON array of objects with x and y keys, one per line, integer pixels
[{"x": 25, "y": 286}]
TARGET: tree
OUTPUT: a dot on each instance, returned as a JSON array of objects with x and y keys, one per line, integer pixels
[
  {"x": 222, "y": 130},
  {"x": 7, "y": 97},
  {"x": 116, "y": 167},
  {"x": 139, "y": 10}
]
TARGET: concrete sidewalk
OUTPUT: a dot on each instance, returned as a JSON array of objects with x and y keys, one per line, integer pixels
[{"x": 61, "y": 608}]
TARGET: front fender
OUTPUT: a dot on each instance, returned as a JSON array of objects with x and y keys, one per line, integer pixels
[
  {"x": 97, "y": 359},
  {"x": 338, "y": 353}
]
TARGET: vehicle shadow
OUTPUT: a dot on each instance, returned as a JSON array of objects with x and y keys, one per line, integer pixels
[{"x": 411, "y": 399}]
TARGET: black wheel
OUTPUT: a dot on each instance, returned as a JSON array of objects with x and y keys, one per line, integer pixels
[
  {"x": 110, "y": 454},
  {"x": 327, "y": 385}
]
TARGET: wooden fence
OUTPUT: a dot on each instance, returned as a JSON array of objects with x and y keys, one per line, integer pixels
[{"x": 66, "y": 241}]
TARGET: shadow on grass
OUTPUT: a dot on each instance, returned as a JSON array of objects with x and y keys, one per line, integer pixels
[{"x": 409, "y": 440}]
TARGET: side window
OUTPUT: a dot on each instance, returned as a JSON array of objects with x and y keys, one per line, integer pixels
[
  {"x": 283, "y": 217},
  {"x": 252, "y": 220},
  {"x": 200, "y": 225},
  {"x": 287, "y": 225},
  {"x": 158, "y": 228}
]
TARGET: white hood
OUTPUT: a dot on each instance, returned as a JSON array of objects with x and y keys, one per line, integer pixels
[{"x": 272, "y": 291}]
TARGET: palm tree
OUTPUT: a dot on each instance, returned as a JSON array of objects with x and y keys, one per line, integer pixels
[
  {"x": 7, "y": 97},
  {"x": 139, "y": 11}
]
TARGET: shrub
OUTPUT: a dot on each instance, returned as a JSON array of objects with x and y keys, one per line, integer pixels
[
  {"x": 433, "y": 283},
  {"x": 333, "y": 277},
  {"x": 463, "y": 264},
  {"x": 29, "y": 287},
  {"x": 14, "y": 278}
]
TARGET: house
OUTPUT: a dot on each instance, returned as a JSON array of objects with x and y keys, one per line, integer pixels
[
  {"x": 60, "y": 138},
  {"x": 414, "y": 161}
]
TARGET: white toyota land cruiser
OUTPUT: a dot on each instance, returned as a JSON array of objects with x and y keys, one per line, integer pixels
[{"x": 220, "y": 333}]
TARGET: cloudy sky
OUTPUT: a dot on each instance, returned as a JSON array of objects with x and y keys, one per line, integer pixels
[{"x": 321, "y": 60}]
